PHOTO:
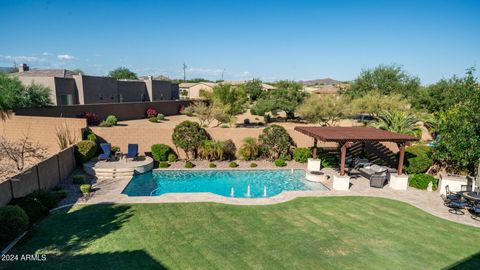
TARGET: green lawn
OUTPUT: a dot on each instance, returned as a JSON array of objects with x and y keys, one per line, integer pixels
[{"x": 307, "y": 233}]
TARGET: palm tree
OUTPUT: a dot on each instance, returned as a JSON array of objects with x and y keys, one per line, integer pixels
[
  {"x": 400, "y": 122},
  {"x": 250, "y": 148}
]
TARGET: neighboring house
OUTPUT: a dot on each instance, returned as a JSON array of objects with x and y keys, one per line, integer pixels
[
  {"x": 192, "y": 90},
  {"x": 69, "y": 88}
]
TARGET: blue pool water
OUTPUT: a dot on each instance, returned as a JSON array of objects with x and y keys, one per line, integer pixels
[{"x": 271, "y": 182}]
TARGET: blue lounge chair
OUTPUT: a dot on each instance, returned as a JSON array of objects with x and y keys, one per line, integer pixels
[
  {"x": 132, "y": 151},
  {"x": 106, "y": 148}
]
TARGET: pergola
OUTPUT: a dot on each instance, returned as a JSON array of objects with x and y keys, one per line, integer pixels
[{"x": 346, "y": 136}]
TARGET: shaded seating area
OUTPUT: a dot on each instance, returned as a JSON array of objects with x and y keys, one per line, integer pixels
[{"x": 345, "y": 137}]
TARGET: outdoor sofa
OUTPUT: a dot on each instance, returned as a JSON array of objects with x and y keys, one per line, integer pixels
[{"x": 378, "y": 175}]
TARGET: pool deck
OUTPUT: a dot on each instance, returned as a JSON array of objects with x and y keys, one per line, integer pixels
[{"x": 110, "y": 191}]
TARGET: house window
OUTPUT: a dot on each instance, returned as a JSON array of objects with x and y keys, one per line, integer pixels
[{"x": 66, "y": 100}]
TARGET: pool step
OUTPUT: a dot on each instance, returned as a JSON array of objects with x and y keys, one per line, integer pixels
[{"x": 105, "y": 173}]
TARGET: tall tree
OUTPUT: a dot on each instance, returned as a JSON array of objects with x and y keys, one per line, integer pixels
[
  {"x": 386, "y": 80},
  {"x": 323, "y": 110},
  {"x": 253, "y": 89},
  {"x": 122, "y": 73},
  {"x": 374, "y": 103}
]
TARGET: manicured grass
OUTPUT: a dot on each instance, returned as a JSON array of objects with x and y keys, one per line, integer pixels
[{"x": 307, "y": 233}]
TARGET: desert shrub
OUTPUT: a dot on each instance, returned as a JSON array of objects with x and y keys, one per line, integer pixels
[
  {"x": 224, "y": 126},
  {"x": 160, "y": 117},
  {"x": 91, "y": 136},
  {"x": 421, "y": 181},
  {"x": 189, "y": 136},
  {"x": 328, "y": 160},
  {"x": 84, "y": 151},
  {"x": 112, "y": 120},
  {"x": 79, "y": 179},
  {"x": 150, "y": 112},
  {"x": 286, "y": 157},
  {"x": 280, "y": 162},
  {"x": 275, "y": 142},
  {"x": 253, "y": 165},
  {"x": 212, "y": 165},
  {"x": 189, "y": 165},
  {"x": 85, "y": 188},
  {"x": 188, "y": 111},
  {"x": 172, "y": 157},
  {"x": 232, "y": 164},
  {"x": 105, "y": 124},
  {"x": 250, "y": 149},
  {"x": 92, "y": 118},
  {"x": 160, "y": 152},
  {"x": 34, "y": 209},
  {"x": 163, "y": 164},
  {"x": 49, "y": 199},
  {"x": 418, "y": 158},
  {"x": 153, "y": 119},
  {"x": 13, "y": 222},
  {"x": 302, "y": 154},
  {"x": 229, "y": 149}
]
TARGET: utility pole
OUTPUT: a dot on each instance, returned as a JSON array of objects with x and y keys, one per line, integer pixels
[
  {"x": 184, "y": 71},
  {"x": 223, "y": 71}
]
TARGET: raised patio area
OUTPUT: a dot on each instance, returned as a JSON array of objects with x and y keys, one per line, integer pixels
[{"x": 122, "y": 168}]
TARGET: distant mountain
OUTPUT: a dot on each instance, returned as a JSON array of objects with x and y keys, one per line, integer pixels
[{"x": 326, "y": 81}]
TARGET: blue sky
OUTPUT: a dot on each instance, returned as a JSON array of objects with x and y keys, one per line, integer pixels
[{"x": 270, "y": 40}]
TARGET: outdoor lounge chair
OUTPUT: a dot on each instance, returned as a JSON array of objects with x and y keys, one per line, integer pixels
[
  {"x": 132, "y": 151},
  {"x": 106, "y": 148}
]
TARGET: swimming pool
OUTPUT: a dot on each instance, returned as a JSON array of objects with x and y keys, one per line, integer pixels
[{"x": 228, "y": 183}]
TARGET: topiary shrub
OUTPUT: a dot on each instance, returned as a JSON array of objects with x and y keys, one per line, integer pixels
[
  {"x": 34, "y": 209},
  {"x": 112, "y": 120},
  {"x": 189, "y": 165},
  {"x": 84, "y": 151},
  {"x": 85, "y": 188},
  {"x": 160, "y": 152},
  {"x": 302, "y": 154},
  {"x": 275, "y": 142},
  {"x": 92, "y": 118},
  {"x": 79, "y": 179},
  {"x": 163, "y": 164},
  {"x": 232, "y": 164},
  {"x": 421, "y": 181},
  {"x": 160, "y": 117},
  {"x": 418, "y": 158},
  {"x": 172, "y": 157},
  {"x": 280, "y": 162},
  {"x": 13, "y": 222},
  {"x": 212, "y": 165},
  {"x": 150, "y": 112},
  {"x": 253, "y": 165}
]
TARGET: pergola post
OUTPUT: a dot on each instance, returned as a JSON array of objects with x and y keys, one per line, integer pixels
[
  {"x": 343, "y": 157},
  {"x": 401, "y": 157},
  {"x": 314, "y": 155}
]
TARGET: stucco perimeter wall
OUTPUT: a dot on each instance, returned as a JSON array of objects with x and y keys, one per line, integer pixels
[
  {"x": 41, "y": 130},
  {"x": 145, "y": 137},
  {"x": 45, "y": 175},
  {"x": 123, "y": 111}
]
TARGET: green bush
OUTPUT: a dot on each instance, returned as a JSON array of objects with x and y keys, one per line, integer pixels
[
  {"x": 421, "y": 181},
  {"x": 79, "y": 179},
  {"x": 189, "y": 136},
  {"x": 153, "y": 119},
  {"x": 275, "y": 142},
  {"x": 212, "y": 165},
  {"x": 224, "y": 126},
  {"x": 13, "y": 222},
  {"x": 85, "y": 188},
  {"x": 253, "y": 165},
  {"x": 302, "y": 154},
  {"x": 172, "y": 157},
  {"x": 418, "y": 158},
  {"x": 84, "y": 151},
  {"x": 49, "y": 199},
  {"x": 188, "y": 111},
  {"x": 111, "y": 120},
  {"x": 163, "y": 164},
  {"x": 328, "y": 160},
  {"x": 280, "y": 162},
  {"x": 232, "y": 164},
  {"x": 229, "y": 149},
  {"x": 34, "y": 209},
  {"x": 160, "y": 117},
  {"x": 92, "y": 137},
  {"x": 160, "y": 152},
  {"x": 189, "y": 165}
]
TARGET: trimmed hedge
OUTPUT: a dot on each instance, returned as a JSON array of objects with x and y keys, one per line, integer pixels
[
  {"x": 232, "y": 164},
  {"x": 13, "y": 222},
  {"x": 85, "y": 188},
  {"x": 212, "y": 165},
  {"x": 421, "y": 181},
  {"x": 189, "y": 165},
  {"x": 418, "y": 158},
  {"x": 302, "y": 154},
  {"x": 84, "y": 151},
  {"x": 253, "y": 165},
  {"x": 280, "y": 162},
  {"x": 161, "y": 152}
]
